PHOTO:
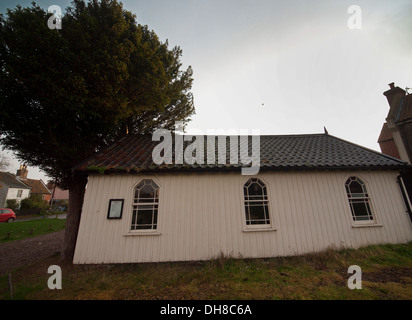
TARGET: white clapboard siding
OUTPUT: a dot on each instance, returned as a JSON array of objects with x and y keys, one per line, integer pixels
[{"x": 202, "y": 215}]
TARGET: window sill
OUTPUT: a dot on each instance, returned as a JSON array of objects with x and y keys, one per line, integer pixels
[
  {"x": 259, "y": 229},
  {"x": 142, "y": 233},
  {"x": 366, "y": 225}
]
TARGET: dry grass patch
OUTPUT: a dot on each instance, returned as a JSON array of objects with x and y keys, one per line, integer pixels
[{"x": 386, "y": 274}]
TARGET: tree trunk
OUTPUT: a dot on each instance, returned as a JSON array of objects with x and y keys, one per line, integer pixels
[{"x": 76, "y": 197}]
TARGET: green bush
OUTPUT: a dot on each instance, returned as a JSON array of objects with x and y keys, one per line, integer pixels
[
  {"x": 12, "y": 204},
  {"x": 35, "y": 201}
]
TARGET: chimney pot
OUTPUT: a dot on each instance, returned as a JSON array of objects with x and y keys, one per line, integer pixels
[
  {"x": 392, "y": 85},
  {"x": 22, "y": 172}
]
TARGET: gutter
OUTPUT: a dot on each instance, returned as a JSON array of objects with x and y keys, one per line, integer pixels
[{"x": 405, "y": 196}]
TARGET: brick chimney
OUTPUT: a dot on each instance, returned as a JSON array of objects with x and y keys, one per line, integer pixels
[
  {"x": 395, "y": 139},
  {"x": 22, "y": 172},
  {"x": 394, "y": 94}
]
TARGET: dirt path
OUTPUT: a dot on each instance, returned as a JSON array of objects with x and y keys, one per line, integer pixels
[{"x": 21, "y": 252}]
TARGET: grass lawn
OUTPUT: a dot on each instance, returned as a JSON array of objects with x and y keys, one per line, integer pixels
[
  {"x": 386, "y": 274},
  {"x": 25, "y": 229}
]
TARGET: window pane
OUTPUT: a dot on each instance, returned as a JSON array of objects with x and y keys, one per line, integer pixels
[
  {"x": 146, "y": 191},
  {"x": 355, "y": 187},
  {"x": 141, "y": 184},
  {"x": 257, "y": 213},
  {"x": 255, "y": 189},
  {"x": 147, "y": 194},
  {"x": 144, "y": 217},
  {"x": 361, "y": 210}
]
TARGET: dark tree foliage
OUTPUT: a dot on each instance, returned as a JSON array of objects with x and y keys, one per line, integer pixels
[{"x": 66, "y": 93}]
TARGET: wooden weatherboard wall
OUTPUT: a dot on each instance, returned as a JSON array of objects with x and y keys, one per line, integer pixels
[{"x": 202, "y": 215}]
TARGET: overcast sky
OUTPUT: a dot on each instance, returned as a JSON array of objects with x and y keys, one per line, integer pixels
[{"x": 284, "y": 67}]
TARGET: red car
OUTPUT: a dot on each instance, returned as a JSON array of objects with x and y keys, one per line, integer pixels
[{"x": 7, "y": 215}]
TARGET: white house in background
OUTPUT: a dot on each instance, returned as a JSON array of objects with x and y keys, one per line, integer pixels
[
  {"x": 12, "y": 189},
  {"x": 312, "y": 192},
  {"x": 36, "y": 186}
]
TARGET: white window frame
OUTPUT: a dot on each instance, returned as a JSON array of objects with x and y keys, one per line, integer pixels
[
  {"x": 365, "y": 196},
  {"x": 265, "y": 200},
  {"x": 135, "y": 205}
]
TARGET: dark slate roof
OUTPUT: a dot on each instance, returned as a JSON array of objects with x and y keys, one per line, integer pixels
[
  {"x": 133, "y": 154},
  {"x": 11, "y": 181}
]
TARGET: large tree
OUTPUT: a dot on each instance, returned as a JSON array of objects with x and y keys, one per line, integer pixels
[{"x": 66, "y": 93}]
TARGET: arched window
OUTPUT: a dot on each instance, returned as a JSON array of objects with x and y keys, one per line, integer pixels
[
  {"x": 145, "y": 205},
  {"x": 256, "y": 202},
  {"x": 358, "y": 199}
]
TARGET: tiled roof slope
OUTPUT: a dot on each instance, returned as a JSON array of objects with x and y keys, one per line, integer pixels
[
  {"x": 37, "y": 186},
  {"x": 277, "y": 152},
  {"x": 385, "y": 134},
  {"x": 11, "y": 181}
]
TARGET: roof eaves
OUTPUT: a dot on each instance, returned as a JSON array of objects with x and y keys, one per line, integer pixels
[
  {"x": 85, "y": 163},
  {"x": 284, "y": 168}
]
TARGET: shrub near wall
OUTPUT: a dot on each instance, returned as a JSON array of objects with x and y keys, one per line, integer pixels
[
  {"x": 33, "y": 205},
  {"x": 12, "y": 204}
]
